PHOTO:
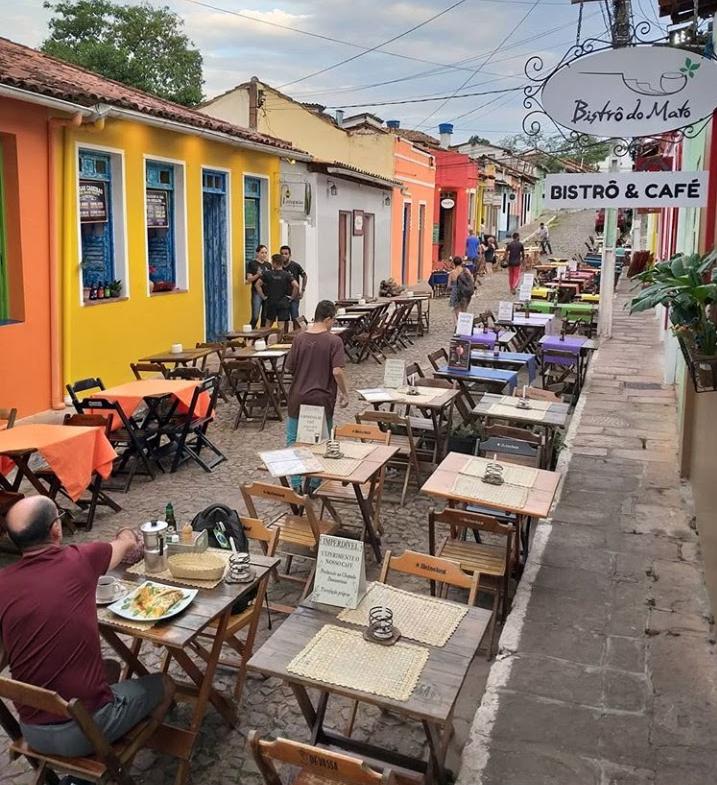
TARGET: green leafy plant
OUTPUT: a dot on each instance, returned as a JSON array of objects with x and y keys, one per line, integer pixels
[
  {"x": 689, "y": 68},
  {"x": 687, "y": 285}
]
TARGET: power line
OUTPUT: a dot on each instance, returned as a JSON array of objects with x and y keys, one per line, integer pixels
[
  {"x": 420, "y": 100},
  {"x": 374, "y": 48},
  {"x": 486, "y": 61}
]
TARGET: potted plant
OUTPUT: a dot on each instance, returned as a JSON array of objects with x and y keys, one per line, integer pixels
[
  {"x": 115, "y": 288},
  {"x": 687, "y": 286},
  {"x": 463, "y": 438}
]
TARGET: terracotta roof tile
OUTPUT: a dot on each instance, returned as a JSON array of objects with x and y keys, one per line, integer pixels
[
  {"x": 416, "y": 136},
  {"x": 30, "y": 70}
]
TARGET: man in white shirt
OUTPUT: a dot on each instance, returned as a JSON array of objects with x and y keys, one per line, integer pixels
[{"x": 544, "y": 240}]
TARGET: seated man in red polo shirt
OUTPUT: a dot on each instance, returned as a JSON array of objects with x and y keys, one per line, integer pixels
[{"x": 48, "y": 627}]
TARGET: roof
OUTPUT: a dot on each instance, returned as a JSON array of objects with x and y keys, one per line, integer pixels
[
  {"x": 682, "y": 10},
  {"x": 339, "y": 169},
  {"x": 27, "y": 69},
  {"x": 415, "y": 136}
]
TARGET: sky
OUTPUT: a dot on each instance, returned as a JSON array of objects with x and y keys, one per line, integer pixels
[{"x": 476, "y": 47}]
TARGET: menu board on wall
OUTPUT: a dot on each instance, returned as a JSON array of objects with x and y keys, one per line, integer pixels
[
  {"x": 157, "y": 209},
  {"x": 93, "y": 201}
]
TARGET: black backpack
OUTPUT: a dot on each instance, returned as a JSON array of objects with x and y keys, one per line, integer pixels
[
  {"x": 465, "y": 284},
  {"x": 221, "y": 523}
]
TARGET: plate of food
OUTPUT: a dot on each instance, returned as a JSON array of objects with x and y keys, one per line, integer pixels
[{"x": 153, "y": 602}]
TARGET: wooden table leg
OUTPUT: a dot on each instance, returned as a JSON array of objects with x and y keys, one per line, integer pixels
[
  {"x": 128, "y": 656},
  {"x": 305, "y": 704},
  {"x": 436, "y": 756},
  {"x": 374, "y": 539}
]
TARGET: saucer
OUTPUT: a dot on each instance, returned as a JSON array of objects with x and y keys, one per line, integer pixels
[{"x": 120, "y": 595}]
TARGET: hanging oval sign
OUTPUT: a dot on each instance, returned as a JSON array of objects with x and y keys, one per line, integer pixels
[
  {"x": 447, "y": 204},
  {"x": 635, "y": 91}
]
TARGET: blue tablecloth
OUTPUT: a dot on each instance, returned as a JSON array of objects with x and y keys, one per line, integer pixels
[
  {"x": 515, "y": 357},
  {"x": 478, "y": 374}
]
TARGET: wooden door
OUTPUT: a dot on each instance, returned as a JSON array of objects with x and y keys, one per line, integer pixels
[
  {"x": 344, "y": 250},
  {"x": 406, "y": 241}
]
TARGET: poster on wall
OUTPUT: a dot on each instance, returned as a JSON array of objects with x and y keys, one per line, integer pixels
[
  {"x": 93, "y": 201},
  {"x": 358, "y": 223},
  {"x": 157, "y": 209},
  {"x": 626, "y": 189}
]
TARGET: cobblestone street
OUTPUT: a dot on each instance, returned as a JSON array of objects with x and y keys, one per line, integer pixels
[{"x": 586, "y": 685}]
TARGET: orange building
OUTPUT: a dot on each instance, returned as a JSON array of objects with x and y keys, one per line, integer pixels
[
  {"x": 412, "y": 210},
  {"x": 26, "y": 306}
]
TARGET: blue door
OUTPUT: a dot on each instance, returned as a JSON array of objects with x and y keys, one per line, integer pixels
[{"x": 214, "y": 195}]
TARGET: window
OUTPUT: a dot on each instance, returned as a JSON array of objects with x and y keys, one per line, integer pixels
[
  {"x": 252, "y": 216},
  {"x": 4, "y": 261},
  {"x": 160, "y": 201},
  {"x": 103, "y": 258}
]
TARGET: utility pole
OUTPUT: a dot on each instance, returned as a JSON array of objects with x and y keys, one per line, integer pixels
[{"x": 620, "y": 38}]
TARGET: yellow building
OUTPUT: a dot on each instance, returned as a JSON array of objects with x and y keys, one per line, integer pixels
[{"x": 156, "y": 210}]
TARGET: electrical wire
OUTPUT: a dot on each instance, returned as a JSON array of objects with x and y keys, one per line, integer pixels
[
  {"x": 373, "y": 48},
  {"x": 486, "y": 61},
  {"x": 423, "y": 100}
]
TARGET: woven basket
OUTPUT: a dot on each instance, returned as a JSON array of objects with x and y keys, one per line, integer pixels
[{"x": 197, "y": 566}]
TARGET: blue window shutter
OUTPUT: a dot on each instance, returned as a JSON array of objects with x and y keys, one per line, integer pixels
[
  {"x": 160, "y": 239},
  {"x": 97, "y": 236}
]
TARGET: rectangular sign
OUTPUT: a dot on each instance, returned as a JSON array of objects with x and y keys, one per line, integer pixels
[
  {"x": 157, "y": 209},
  {"x": 505, "y": 311},
  {"x": 627, "y": 189},
  {"x": 93, "y": 201},
  {"x": 394, "y": 373},
  {"x": 312, "y": 427},
  {"x": 464, "y": 324},
  {"x": 340, "y": 572},
  {"x": 459, "y": 354}
]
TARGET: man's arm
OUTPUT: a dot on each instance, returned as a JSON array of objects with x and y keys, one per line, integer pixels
[
  {"x": 258, "y": 285},
  {"x": 122, "y": 545},
  {"x": 304, "y": 279},
  {"x": 343, "y": 389},
  {"x": 294, "y": 289}
]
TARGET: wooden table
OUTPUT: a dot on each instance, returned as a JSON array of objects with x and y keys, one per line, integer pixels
[
  {"x": 556, "y": 416},
  {"x": 528, "y": 330},
  {"x": 176, "y": 635},
  {"x": 184, "y": 357},
  {"x": 506, "y": 361},
  {"x": 537, "y": 504},
  {"x": 254, "y": 335},
  {"x": 439, "y": 411},
  {"x": 423, "y": 316},
  {"x": 488, "y": 338},
  {"x": 366, "y": 472},
  {"x": 432, "y": 702},
  {"x": 275, "y": 359},
  {"x": 495, "y": 379}
]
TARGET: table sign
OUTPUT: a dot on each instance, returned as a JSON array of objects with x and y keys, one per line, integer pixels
[
  {"x": 561, "y": 270},
  {"x": 528, "y": 280},
  {"x": 505, "y": 311},
  {"x": 573, "y": 265},
  {"x": 524, "y": 294},
  {"x": 293, "y": 460},
  {"x": 312, "y": 427},
  {"x": 394, "y": 373},
  {"x": 464, "y": 325},
  {"x": 459, "y": 354},
  {"x": 340, "y": 572}
]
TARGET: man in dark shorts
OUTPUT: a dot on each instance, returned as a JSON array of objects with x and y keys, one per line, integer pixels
[
  {"x": 277, "y": 288},
  {"x": 48, "y": 627},
  {"x": 514, "y": 256},
  {"x": 316, "y": 361},
  {"x": 300, "y": 276}
]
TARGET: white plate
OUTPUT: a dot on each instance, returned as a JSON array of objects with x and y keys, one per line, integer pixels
[{"x": 122, "y": 607}]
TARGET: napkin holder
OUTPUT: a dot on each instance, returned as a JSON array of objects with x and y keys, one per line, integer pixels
[
  {"x": 493, "y": 474},
  {"x": 199, "y": 544}
]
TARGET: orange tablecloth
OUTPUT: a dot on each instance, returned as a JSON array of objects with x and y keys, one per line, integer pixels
[
  {"x": 72, "y": 452},
  {"x": 130, "y": 395}
]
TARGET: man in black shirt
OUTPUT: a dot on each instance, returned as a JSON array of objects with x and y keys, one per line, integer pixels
[
  {"x": 515, "y": 257},
  {"x": 299, "y": 275},
  {"x": 277, "y": 288}
]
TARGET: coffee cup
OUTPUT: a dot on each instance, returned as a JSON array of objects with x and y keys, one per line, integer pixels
[
  {"x": 108, "y": 588},
  {"x": 177, "y": 348},
  {"x": 246, "y": 328},
  {"x": 260, "y": 345},
  {"x": 341, "y": 312}
]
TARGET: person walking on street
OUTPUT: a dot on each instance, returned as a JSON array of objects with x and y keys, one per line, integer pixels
[
  {"x": 462, "y": 286},
  {"x": 515, "y": 258},
  {"x": 254, "y": 269},
  {"x": 316, "y": 361},
  {"x": 277, "y": 288},
  {"x": 489, "y": 249},
  {"x": 473, "y": 249},
  {"x": 299, "y": 275},
  {"x": 544, "y": 240}
]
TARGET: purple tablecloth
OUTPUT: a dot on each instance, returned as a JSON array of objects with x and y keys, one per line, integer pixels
[
  {"x": 487, "y": 338},
  {"x": 571, "y": 343}
]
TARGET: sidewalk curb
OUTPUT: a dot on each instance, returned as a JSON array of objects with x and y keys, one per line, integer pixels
[{"x": 477, "y": 749}]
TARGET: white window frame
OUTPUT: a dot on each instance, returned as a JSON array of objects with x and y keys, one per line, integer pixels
[
  {"x": 118, "y": 195},
  {"x": 181, "y": 240}
]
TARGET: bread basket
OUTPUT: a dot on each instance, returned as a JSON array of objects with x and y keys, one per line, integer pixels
[{"x": 197, "y": 566}]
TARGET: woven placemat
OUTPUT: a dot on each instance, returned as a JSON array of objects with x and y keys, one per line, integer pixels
[
  {"x": 500, "y": 410},
  {"x": 349, "y": 449},
  {"x": 512, "y": 496},
  {"x": 105, "y": 614},
  {"x": 524, "y": 476},
  {"x": 424, "y": 619},
  {"x": 336, "y": 655},
  {"x": 340, "y": 467},
  {"x": 512, "y": 401},
  {"x": 425, "y": 395},
  {"x": 166, "y": 575}
]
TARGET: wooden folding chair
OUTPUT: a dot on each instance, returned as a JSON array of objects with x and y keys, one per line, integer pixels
[
  {"x": 560, "y": 367},
  {"x": 83, "y": 386},
  {"x": 97, "y": 498},
  {"x": 491, "y": 557},
  {"x": 538, "y": 394},
  {"x": 150, "y": 369},
  {"x": 109, "y": 763},
  {"x": 316, "y": 765},
  {"x": 247, "y": 381},
  {"x": 248, "y": 619},
  {"x": 402, "y": 436},
  {"x": 516, "y": 445},
  {"x": 7, "y": 418},
  {"x": 438, "y": 359},
  {"x": 332, "y": 492},
  {"x": 299, "y": 527},
  {"x": 414, "y": 373}
]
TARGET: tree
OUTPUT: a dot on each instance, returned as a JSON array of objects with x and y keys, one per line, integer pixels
[
  {"x": 590, "y": 153},
  {"x": 138, "y": 45},
  {"x": 479, "y": 140}
]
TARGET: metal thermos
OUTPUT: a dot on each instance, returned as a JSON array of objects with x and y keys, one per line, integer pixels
[{"x": 155, "y": 548}]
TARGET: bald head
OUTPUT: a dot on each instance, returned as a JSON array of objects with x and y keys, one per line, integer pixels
[{"x": 30, "y": 522}]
